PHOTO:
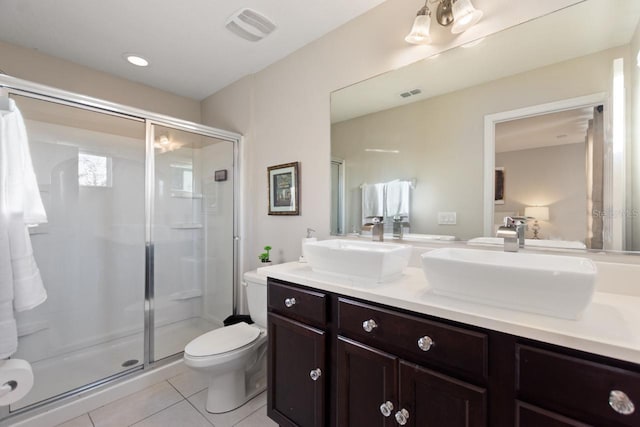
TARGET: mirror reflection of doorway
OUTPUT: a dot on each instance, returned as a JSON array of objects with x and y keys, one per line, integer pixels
[
  {"x": 556, "y": 166},
  {"x": 337, "y": 197}
]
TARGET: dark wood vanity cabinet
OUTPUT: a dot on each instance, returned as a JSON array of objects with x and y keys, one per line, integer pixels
[
  {"x": 382, "y": 366},
  {"x": 297, "y": 356},
  {"x": 382, "y": 373}
]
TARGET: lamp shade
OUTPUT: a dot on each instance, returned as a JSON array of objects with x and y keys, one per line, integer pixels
[
  {"x": 465, "y": 16},
  {"x": 420, "y": 31},
  {"x": 540, "y": 213}
]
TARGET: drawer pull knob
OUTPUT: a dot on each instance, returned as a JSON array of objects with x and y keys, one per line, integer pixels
[
  {"x": 402, "y": 416},
  {"x": 315, "y": 374},
  {"x": 425, "y": 343},
  {"x": 290, "y": 302},
  {"x": 621, "y": 403},
  {"x": 386, "y": 408},
  {"x": 369, "y": 325}
]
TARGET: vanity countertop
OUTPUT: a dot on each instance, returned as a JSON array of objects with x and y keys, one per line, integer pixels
[{"x": 610, "y": 326}]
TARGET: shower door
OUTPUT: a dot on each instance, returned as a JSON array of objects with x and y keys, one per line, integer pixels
[
  {"x": 90, "y": 169},
  {"x": 193, "y": 237}
]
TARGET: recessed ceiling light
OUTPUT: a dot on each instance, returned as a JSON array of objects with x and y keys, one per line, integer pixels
[{"x": 136, "y": 60}]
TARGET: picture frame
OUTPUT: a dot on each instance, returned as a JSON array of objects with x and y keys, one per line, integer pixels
[
  {"x": 499, "y": 186},
  {"x": 220, "y": 175},
  {"x": 284, "y": 189}
]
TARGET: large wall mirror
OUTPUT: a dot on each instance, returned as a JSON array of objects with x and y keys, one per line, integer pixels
[{"x": 547, "y": 110}]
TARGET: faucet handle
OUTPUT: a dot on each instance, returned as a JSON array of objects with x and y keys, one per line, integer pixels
[{"x": 515, "y": 221}]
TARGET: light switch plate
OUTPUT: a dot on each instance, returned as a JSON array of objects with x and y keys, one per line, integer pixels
[{"x": 447, "y": 218}]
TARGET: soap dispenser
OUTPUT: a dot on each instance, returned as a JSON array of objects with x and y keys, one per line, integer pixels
[{"x": 307, "y": 240}]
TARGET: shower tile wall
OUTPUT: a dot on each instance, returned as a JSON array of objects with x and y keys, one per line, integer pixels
[{"x": 91, "y": 253}]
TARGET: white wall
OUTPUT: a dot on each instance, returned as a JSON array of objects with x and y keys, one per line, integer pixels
[
  {"x": 283, "y": 111},
  {"x": 29, "y": 64}
]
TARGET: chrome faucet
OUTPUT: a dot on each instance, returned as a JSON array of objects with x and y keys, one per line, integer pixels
[
  {"x": 376, "y": 227},
  {"x": 513, "y": 232},
  {"x": 399, "y": 224}
]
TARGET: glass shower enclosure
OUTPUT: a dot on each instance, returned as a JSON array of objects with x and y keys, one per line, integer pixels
[{"x": 139, "y": 255}]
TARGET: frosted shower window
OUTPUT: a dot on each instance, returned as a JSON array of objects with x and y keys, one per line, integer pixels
[
  {"x": 94, "y": 170},
  {"x": 182, "y": 177}
]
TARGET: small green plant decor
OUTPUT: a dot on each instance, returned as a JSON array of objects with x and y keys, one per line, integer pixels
[{"x": 264, "y": 257}]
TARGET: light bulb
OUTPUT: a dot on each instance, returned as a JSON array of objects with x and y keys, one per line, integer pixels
[
  {"x": 464, "y": 16},
  {"x": 420, "y": 31}
]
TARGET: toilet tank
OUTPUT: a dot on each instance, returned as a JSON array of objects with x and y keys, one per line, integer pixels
[{"x": 257, "y": 297}]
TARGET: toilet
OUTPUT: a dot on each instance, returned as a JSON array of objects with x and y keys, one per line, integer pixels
[{"x": 234, "y": 357}]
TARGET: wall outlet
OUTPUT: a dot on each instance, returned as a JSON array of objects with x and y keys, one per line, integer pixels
[{"x": 447, "y": 218}]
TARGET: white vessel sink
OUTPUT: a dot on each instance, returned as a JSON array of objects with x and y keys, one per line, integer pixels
[
  {"x": 373, "y": 262},
  {"x": 559, "y": 286}
]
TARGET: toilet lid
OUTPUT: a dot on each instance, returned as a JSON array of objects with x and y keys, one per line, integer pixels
[{"x": 222, "y": 340}]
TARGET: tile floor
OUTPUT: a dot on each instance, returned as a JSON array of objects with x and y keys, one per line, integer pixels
[{"x": 179, "y": 401}]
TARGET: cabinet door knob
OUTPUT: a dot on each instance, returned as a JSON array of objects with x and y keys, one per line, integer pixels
[
  {"x": 621, "y": 403},
  {"x": 425, "y": 343},
  {"x": 315, "y": 374},
  {"x": 402, "y": 416},
  {"x": 369, "y": 325},
  {"x": 290, "y": 302},
  {"x": 386, "y": 408}
]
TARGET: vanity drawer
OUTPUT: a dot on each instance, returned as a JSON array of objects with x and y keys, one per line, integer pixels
[
  {"x": 576, "y": 387},
  {"x": 296, "y": 303},
  {"x": 461, "y": 351}
]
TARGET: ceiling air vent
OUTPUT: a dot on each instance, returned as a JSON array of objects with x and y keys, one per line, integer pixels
[
  {"x": 250, "y": 25},
  {"x": 411, "y": 93}
]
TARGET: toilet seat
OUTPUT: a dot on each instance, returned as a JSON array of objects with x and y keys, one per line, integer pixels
[{"x": 222, "y": 340}]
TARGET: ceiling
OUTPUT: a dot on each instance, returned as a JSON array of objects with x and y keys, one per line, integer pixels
[
  {"x": 545, "y": 130},
  {"x": 190, "y": 51}
]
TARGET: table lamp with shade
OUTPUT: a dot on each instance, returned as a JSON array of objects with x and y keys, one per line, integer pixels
[{"x": 537, "y": 213}]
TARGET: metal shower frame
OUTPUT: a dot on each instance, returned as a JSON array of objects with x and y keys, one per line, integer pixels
[{"x": 46, "y": 93}]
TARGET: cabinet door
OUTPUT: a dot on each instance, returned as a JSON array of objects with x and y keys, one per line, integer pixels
[
  {"x": 367, "y": 379},
  {"x": 296, "y": 373},
  {"x": 531, "y": 416},
  {"x": 431, "y": 399}
]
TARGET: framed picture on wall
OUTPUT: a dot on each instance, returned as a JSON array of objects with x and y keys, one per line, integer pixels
[
  {"x": 284, "y": 189},
  {"x": 499, "y": 186}
]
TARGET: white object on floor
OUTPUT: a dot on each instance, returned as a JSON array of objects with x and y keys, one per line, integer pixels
[
  {"x": 234, "y": 356},
  {"x": 16, "y": 380}
]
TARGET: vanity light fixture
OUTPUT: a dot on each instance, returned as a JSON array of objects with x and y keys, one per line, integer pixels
[{"x": 460, "y": 13}]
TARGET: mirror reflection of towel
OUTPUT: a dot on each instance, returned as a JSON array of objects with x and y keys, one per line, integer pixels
[
  {"x": 398, "y": 198},
  {"x": 372, "y": 200}
]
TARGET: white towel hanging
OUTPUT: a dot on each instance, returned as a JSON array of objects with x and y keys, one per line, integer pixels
[
  {"x": 21, "y": 286},
  {"x": 5, "y": 105}
]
